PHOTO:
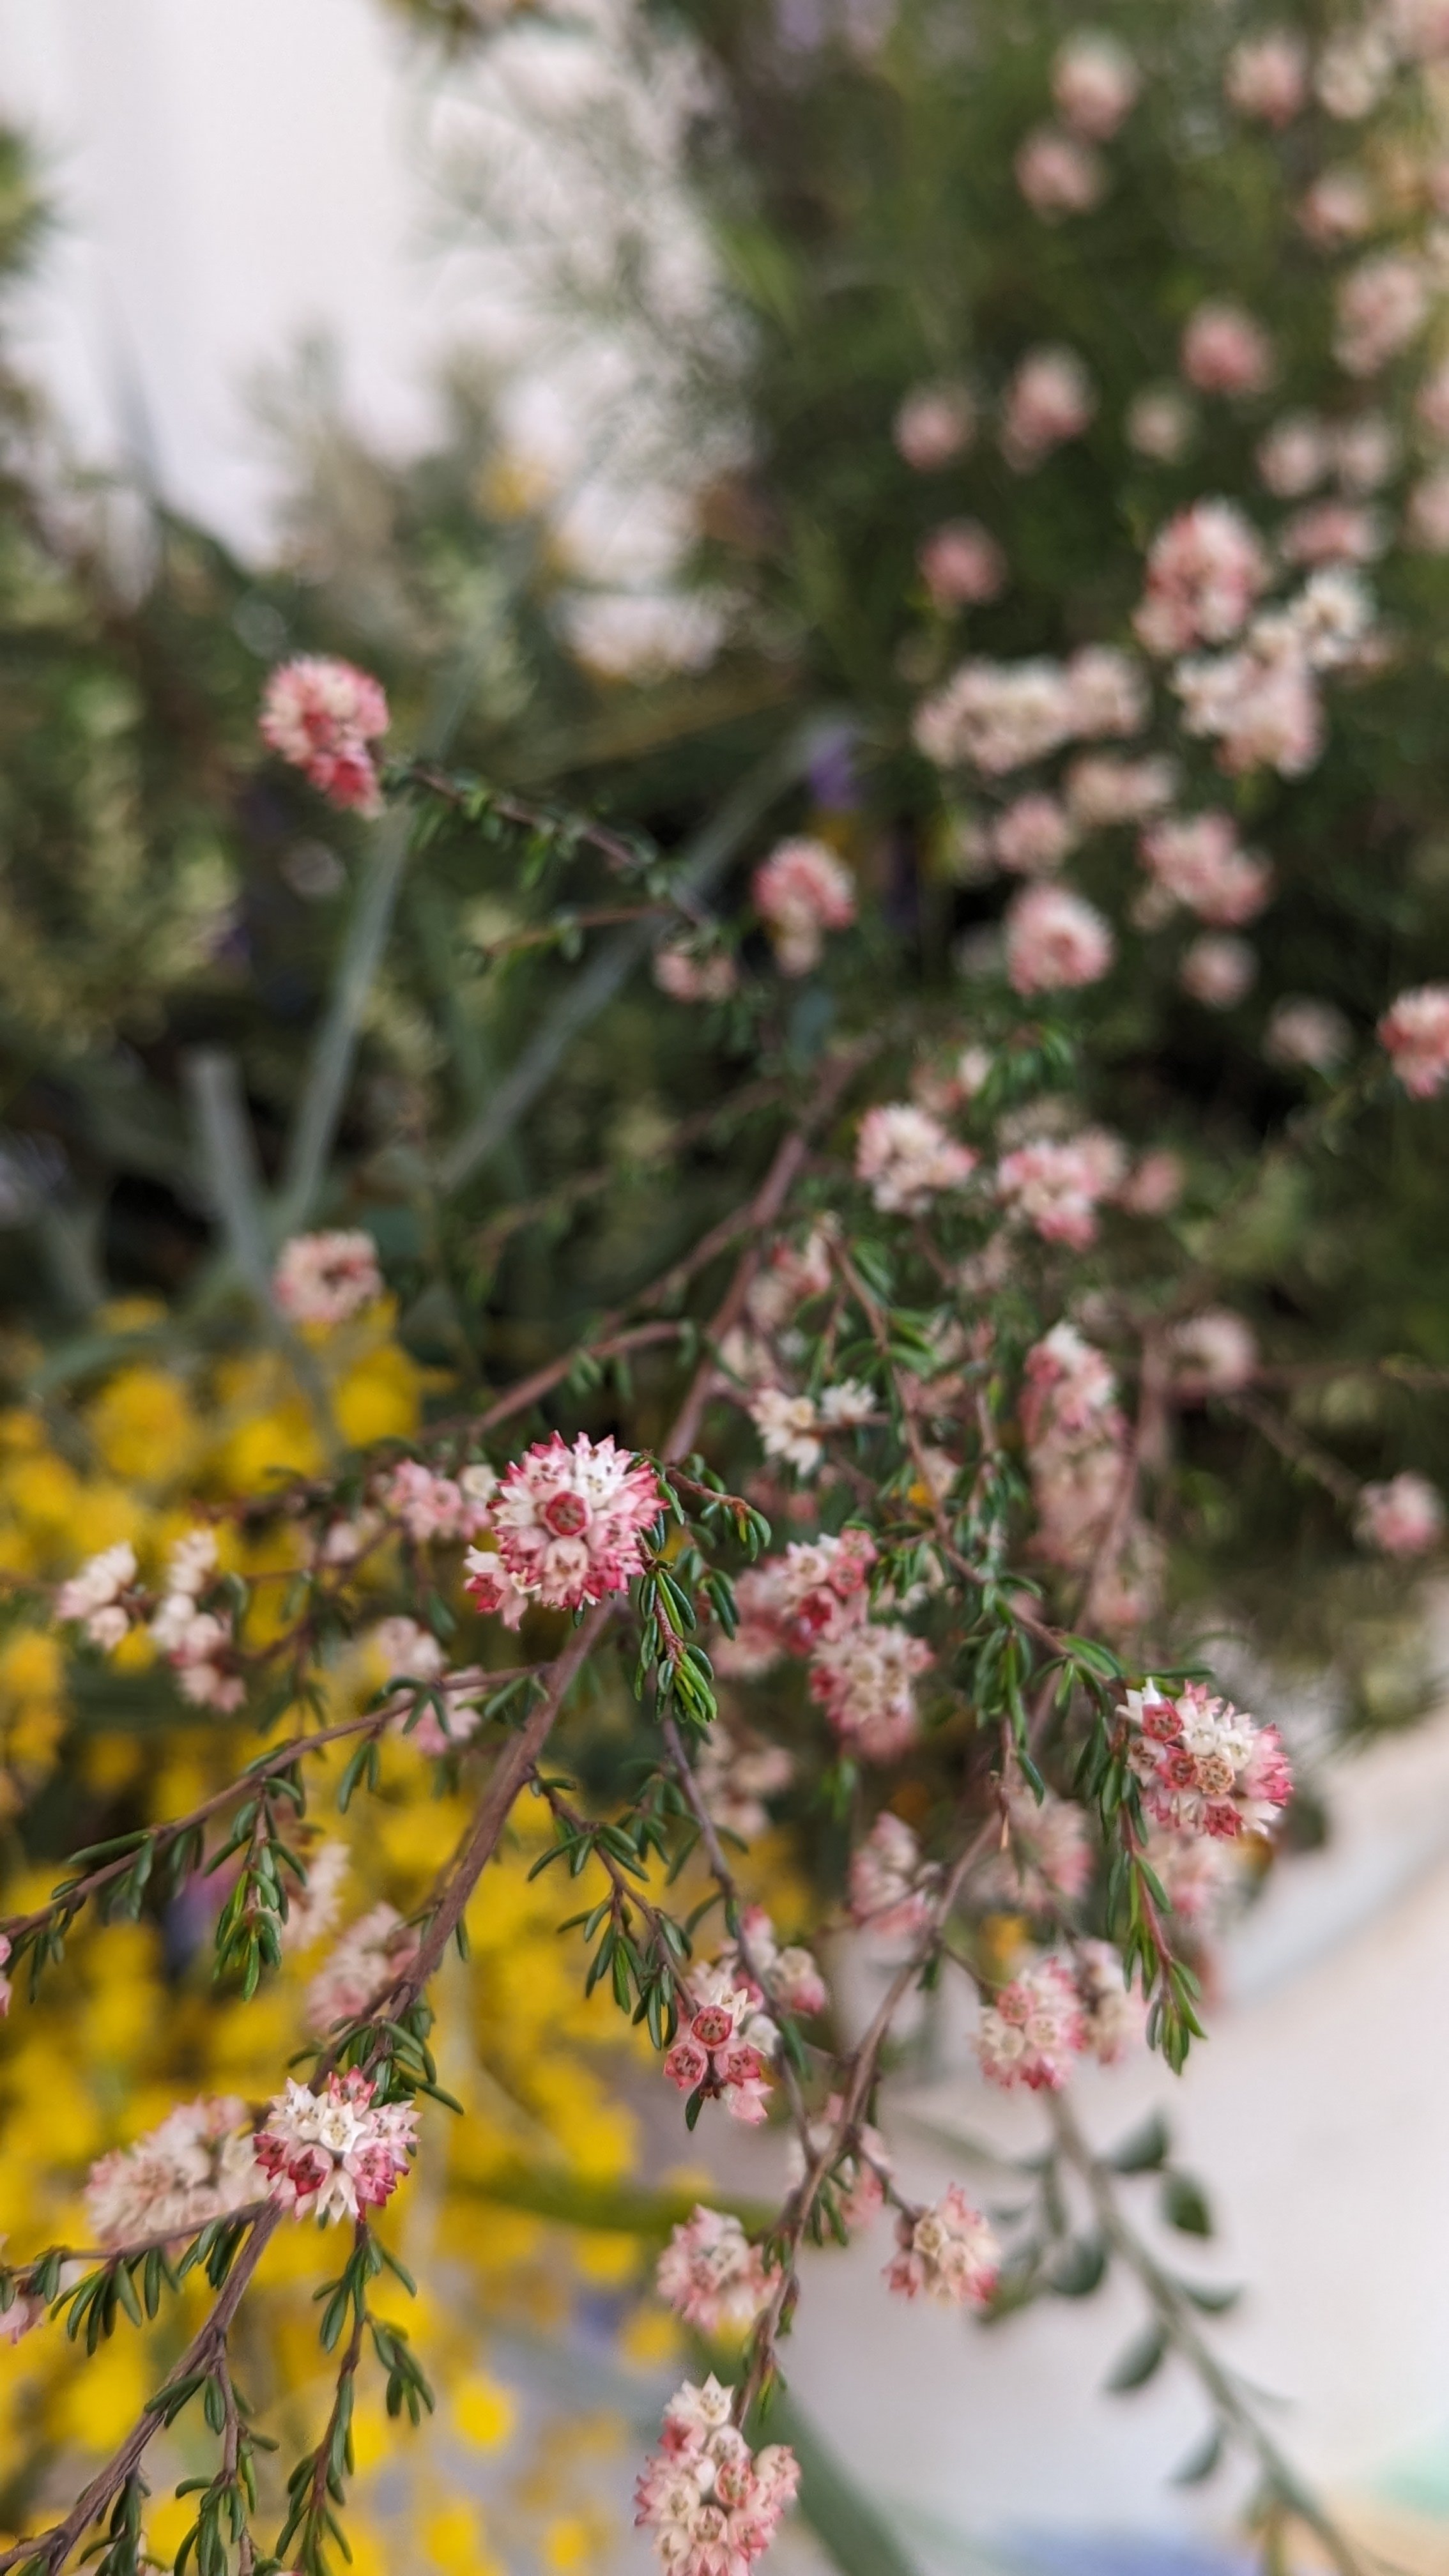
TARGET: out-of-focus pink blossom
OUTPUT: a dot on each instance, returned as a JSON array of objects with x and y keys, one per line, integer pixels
[
  {"x": 1095, "y": 83},
  {"x": 336, "y": 2152},
  {"x": 1428, "y": 514},
  {"x": 1259, "y": 705},
  {"x": 688, "y": 973},
  {"x": 802, "y": 890},
  {"x": 1114, "y": 2015},
  {"x": 1159, "y": 423},
  {"x": 1415, "y": 1033},
  {"x": 950, "y": 2251},
  {"x": 1055, "y": 941},
  {"x": 1058, "y": 175},
  {"x": 1296, "y": 454},
  {"x": 1218, "y": 971},
  {"x": 905, "y": 1158},
  {"x": 1404, "y": 1517},
  {"x": 1196, "y": 860},
  {"x": 371, "y": 1954},
  {"x": 1353, "y": 71},
  {"x": 1068, "y": 1385},
  {"x": 1267, "y": 76},
  {"x": 327, "y": 1278},
  {"x": 95, "y": 1598},
  {"x": 934, "y": 425},
  {"x": 1047, "y": 1858},
  {"x": 1154, "y": 1186},
  {"x": 1033, "y": 836},
  {"x": 1431, "y": 402},
  {"x": 712, "y": 2276},
  {"x": 734, "y": 1776},
  {"x": 892, "y": 1890},
  {"x": 1366, "y": 452},
  {"x": 1213, "y": 1352},
  {"x": 432, "y": 1506},
  {"x": 962, "y": 565},
  {"x": 322, "y": 715},
  {"x": 1226, "y": 351},
  {"x": 1337, "y": 209},
  {"x": 1107, "y": 692},
  {"x": 1057, "y": 1184},
  {"x": 711, "y": 2503},
  {"x": 1034, "y": 2029},
  {"x": 1420, "y": 29},
  {"x": 1303, "y": 1031},
  {"x": 1381, "y": 306},
  {"x": 1205, "y": 570},
  {"x": 569, "y": 1521},
  {"x": 1102, "y": 789},
  {"x": 1049, "y": 400},
  {"x": 1205, "y": 1766},
  {"x": 1333, "y": 532},
  {"x": 196, "y": 2166},
  {"x": 863, "y": 1678}
]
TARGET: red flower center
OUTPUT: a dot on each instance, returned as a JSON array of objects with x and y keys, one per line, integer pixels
[{"x": 566, "y": 1515}]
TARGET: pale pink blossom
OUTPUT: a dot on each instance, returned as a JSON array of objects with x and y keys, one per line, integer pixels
[
  {"x": 1428, "y": 513},
  {"x": 791, "y": 1973},
  {"x": 1068, "y": 1385},
  {"x": 1296, "y": 454},
  {"x": 1225, "y": 350},
  {"x": 789, "y": 1427},
  {"x": 1047, "y": 1856},
  {"x": 712, "y": 2505},
  {"x": 1055, "y": 941},
  {"x": 734, "y": 1776},
  {"x": 1218, "y": 971},
  {"x": 689, "y": 973},
  {"x": 1095, "y": 83},
  {"x": 934, "y": 425},
  {"x": 1260, "y": 707},
  {"x": 817, "y": 1587},
  {"x": 312, "y": 1909},
  {"x": 1159, "y": 423},
  {"x": 905, "y": 1158},
  {"x": 1033, "y": 836},
  {"x": 1333, "y": 532},
  {"x": 196, "y": 2166},
  {"x": 712, "y": 2276},
  {"x": 961, "y": 564},
  {"x": 1205, "y": 1767},
  {"x": 1205, "y": 569},
  {"x": 569, "y": 1522},
  {"x": 793, "y": 1274},
  {"x": 1196, "y": 860},
  {"x": 322, "y": 714},
  {"x": 1381, "y": 306},
  {"x": 846, "y": 1405},
  {"x": 1353, "y": 71},
  {"x": 1034, "y": 2028},
  {"x": 1107, "y": 692},
  {"x": 713, "y": 2056},
  {"x": 1366, "y": 452},
  {"x": 24, "y": 2313},
  {"x": 1195, "y": 1876},
  {"x": 801, "y": 891},
  {"x": 1214, "y": 1352},
  {"x": 1337, "y": 209},
  {"x": 371, "y": 1955},
  {"x": 1057, "y": 1184},
  {"x": 337, "y": 2152},
  {"x": 1404, "y": 1517},
  {"x": 893, "y": 1892},
  {"x": 1267, "y": 76},
  {"x": 95, "y": 1598},
  {"x": 863, "y": 1677},
  {"x": 1328, "y": 624},
  {"x": 1415, "y": 1033},
  {"x": 1049, "y": 400},
  {"x": 1058, "y": 175},
  {"x": 950, "y": 2251},
  {"x": 198, "y": 1645},
  {"x": 1307, "y": 1032},
  {"x": 1420, "y": 29},
  {"x": 431, "y": 1506},
  {"x": 1102, "y": 789},
  {"x": 995, "y": 716},
  {"x": 326, "y": 1278},
  {"x": 1154, "y": 1186}
]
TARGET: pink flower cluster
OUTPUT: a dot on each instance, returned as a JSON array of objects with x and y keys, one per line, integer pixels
[
  {"x": 962, "y": 565},
  {"x": 1095, "y": 83},
  {"x": 813, "y": 1602},
  {"x": 714, "y": 2057},
  {"x": 1103, "y": 789},
  {"x": 1033, "y": 835},
  {"x": 322, "y": 715},
  {"x": 335, "y": 2153},
  {"x": 1055, "y": 941},
  {"x": 801, "y": 891},
  {"x": 712, "y": 2504},
  {"x": 1056, "y": 2010},
  {"x": 1058, "y": 1183},
  {"x": 906, "y": 1158},
  {"x": 96, "y": 1597},
  {"x": 1205, "y": 1766},
  {"x": 1074, "y": 1435},
  {"x": 1404, "y": 1517},
  {"x": 689, "y": 972},
  {"x": 1382, "y": 305},
  {"x": 1196, "y": 860},
  {"x": 196, "y": 2166},
  {"x": 1214, "y": 1352},
  {"x": 1226, "y": 351},
  {"x": 934, "y": 425},
  {"x": 1047, "y": 1858},
  {"x": 1267, "y": 77},
  {"x": 893, "y": 1891},
  {"x": 950, "y": 2251},
  {"x": 1059, "y": 175},
  {"x": 431, "y": 1506},
  {"x": 568, "y": 1523},
  {"x": 792, "y": 1979},
  {"x": 712, "y": 2276},
  {"x": 371, "y": 1954},
  {"x": 1049, "y": 400},
  {"x": 1414, "y": 1031},
  {"x": 197, "y": 1643},
  {"x": 327, "y": 1278},
  {"x": 1205, "y": 570},
  {"x": 735, "y": 1775},
  {"x": 996, "y": 716}
]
